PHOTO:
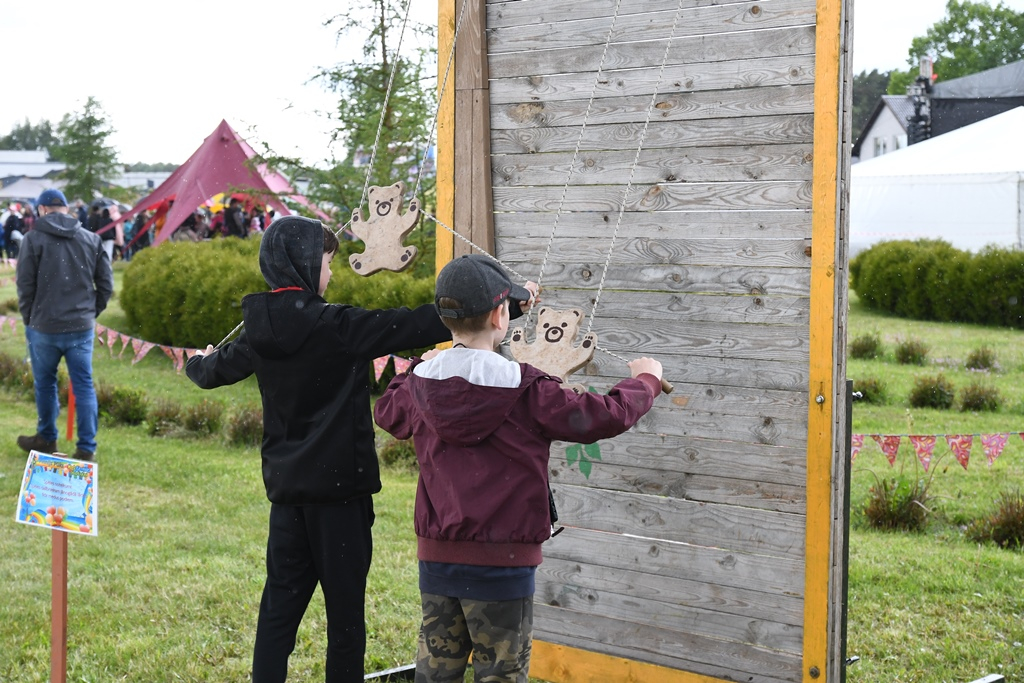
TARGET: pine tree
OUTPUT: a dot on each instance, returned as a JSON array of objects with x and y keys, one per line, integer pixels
[{"x": 82, "y": 145}]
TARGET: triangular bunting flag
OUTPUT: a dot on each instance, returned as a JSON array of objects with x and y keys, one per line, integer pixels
[
  {"x": 190, "y": 352},
  {"x": 13, "y": 323},
  {"x": 111, "y": 340},
  {"x": 101, "y": 331},
  {"x": 923, "y": 446},
  {"x": 994, "y": 445},
  {"x": 401, "y": 364},
  {"x": 960, "y": 444},
  {"x": 125, "y": 341},
  {"x": 378, "y": 366},
  {"x": 141, "y": 348},
  {"x": 856, "y": 443},
  {"x": 889, "y": 446}
]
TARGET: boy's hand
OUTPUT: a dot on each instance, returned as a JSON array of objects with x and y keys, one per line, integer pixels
[
  {"x": 534, "y": 290},
  {"x": 648, "y": 365},
  {"x": 207, "y": 352}
]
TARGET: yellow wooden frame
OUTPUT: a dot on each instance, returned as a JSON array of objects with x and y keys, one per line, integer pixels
[{"x": 572, "y": 665}]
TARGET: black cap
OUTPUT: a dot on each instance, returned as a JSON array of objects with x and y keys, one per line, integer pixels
[{"x": 477, "y": 282}]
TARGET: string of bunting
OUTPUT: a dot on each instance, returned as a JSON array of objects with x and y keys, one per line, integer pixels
[
  {"x": 924, "y": 445},
  {"x": 179, "y": 355}
]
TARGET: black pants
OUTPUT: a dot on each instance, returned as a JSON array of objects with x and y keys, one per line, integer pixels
[{"x": 329, "y": 544}]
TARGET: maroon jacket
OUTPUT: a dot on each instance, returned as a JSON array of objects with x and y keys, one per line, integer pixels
[{"x": 482, "y": 497}]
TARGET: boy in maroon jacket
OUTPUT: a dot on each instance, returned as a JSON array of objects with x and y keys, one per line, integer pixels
[{"x": 483, "y": 426}]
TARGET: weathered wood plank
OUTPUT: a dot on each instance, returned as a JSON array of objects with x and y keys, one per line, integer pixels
[
  {"x": 503, "y": 13},
  {"x": 706, "y": 280},
  {"x": 712, "y": 164},
  {"x": 566, "y": 32},
  {"x": 766, "y": 429},
  {"x": 760, "y": 495},
  {"x": 735, "y": 75},
  {"x": 740, "y": 132},
  {"x": 554, "y": 576},
  {"x": 669, "y": 224},
  {"x": 640, "y": 306},
  {"x": 782, "y": 576},
  {"x": 704, "y": 49},
  {"x": 687, "y": 455},
  {"x": 729, "y": 527},
  {"x": 749, "y": 196},
  {"x": 698, "y": 654},
  {"x": 661, "y": 251},
  {"x": 765, "y": 633}
]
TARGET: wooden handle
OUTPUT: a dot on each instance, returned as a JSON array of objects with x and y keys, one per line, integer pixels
[{"x": 665, "y": 386}]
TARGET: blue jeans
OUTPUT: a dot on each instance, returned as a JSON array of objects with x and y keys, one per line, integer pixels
[{"x": 45, "y": 351}]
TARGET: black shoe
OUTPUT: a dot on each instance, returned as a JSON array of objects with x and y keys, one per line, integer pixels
[
  {"x": 83, "y": 455},
  {"x": 36, "y": 443}
]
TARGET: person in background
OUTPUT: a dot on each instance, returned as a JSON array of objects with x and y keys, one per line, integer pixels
[
  {"x": 13, "y": 229},
  {"x": 64, "y": 282},
  {"x": 81, "y": 213},
  {"x": 234, "y": 219}
]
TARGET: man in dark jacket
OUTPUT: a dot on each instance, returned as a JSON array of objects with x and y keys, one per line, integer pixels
[
  {"x": 234, "y": 221},
  {"x": 312, "y": 360},
  {"x": 64, "y": 282}
]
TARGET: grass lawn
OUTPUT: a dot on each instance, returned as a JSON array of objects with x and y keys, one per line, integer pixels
[{"x": 169, "y": 589}]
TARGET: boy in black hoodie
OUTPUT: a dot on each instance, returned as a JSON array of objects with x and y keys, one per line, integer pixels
[
  {"x": 483, "y": 427},
  {"x": 312, "y": 361}
]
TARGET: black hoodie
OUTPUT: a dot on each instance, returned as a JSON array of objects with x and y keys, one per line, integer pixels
[{"x": 312, "y": 361}]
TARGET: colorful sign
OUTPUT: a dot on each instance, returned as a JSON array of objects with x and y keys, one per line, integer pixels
[{"x": 59, "y": 493}]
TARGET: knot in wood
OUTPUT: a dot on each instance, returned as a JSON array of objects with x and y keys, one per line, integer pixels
[
  {"x": 589, "y": 163},
  {"x": 586, "y": 274},
  {"x": 755, "y": 10},
  {"x": 757, "y": 290},
  {"x": 758, "y": 301}
]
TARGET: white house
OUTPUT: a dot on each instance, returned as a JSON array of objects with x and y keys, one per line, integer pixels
[{"x": 886, "y": 128}]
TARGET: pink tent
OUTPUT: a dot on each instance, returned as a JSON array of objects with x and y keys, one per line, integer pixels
[{"x": 221, "y": 164}]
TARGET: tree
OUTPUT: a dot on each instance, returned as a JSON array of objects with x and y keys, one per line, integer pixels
[
  {"x": 82, "y": 146},
  {"x": 973, "y": 37},
  {"x": 867, "y": 88},
  {"x": 28, "y": 137},
  {"x": 362, "y": 87}
]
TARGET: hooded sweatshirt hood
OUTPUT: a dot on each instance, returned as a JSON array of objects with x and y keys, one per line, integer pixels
[
  {"x": 291, "y": 252},
  {"x": 58, "y": 225},
  {"x": 279, "y": 322}
]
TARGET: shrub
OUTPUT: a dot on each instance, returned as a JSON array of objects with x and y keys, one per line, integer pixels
[
  {"x": 911, "y": 352},
  {"x": 104, "y": 397},
  {"x": 9, "y": 306},
  {"x": 127, "y": 406},
  {"x": 399, "y": 453},
  {"x": 164, "y": 418},
  {"x": 898, "y": 504},
  {"x": 872, "y": 390},
  {"x": 245, "y": 426},
  {"x": 932, "y": 392},
  {"x": 1005, "y": 527},
  {"x": 982, "y": 358},
  {"x": 866, "y": 346},
  {"x": 979, "y": 397},
  {"x": 204, "y": 418}
]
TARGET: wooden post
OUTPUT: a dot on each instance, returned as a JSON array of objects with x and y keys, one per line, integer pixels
[{"x": 59, "y": 608}]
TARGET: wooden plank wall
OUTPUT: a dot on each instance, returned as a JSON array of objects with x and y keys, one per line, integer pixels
[{"x": 687, "y": 541}]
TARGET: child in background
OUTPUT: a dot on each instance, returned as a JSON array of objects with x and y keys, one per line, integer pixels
[
  {"x": 483, "y": 426},
  {"x": 312, "y": 360}
]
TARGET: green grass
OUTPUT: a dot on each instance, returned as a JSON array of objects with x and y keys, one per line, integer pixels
[{"x": 169, "y": 589}]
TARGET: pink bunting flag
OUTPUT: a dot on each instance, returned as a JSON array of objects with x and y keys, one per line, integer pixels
[
  {"x": 190, "y": 352},
  {"x": 3, "y": 321},
  {"x": 401, "y": 364},
  {"x": 141, "y": 348},
  {"x": 994, "y": 445},
  {"x": 889, "y": 446},
  {"x": 111, "y": 340},
  {"x": 125, "y": 341},
  {"x": 856, "y": 443},
  {"x": 101, "y": 331},
  {"x": 378, "y": 366},
  {"x": 13, "y": 323},
  {"x": 175, "y": 354},
  {"x": 960, "y": 444},
  {"x": 923, "y": 446}
]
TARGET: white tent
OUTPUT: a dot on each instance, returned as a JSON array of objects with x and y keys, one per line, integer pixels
[{"x": 965, "y": 187}]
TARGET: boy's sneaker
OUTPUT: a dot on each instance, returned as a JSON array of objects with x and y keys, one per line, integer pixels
[
  {"x": 83, "y": 455},
  {"x": 36, "y": 443}
]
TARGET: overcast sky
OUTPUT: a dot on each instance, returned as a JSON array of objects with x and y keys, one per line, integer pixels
[{"x": 167, "y": 74}]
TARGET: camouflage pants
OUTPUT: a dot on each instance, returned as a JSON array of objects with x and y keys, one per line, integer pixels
[{"x": 498, "y": 634}]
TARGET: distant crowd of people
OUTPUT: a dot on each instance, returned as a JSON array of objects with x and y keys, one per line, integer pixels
[{"x": 123, "y": 240}]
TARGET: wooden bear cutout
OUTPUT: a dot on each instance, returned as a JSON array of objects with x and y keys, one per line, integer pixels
[
  {"x": 552, "y": 350},
  {"x": 384, "y": 231}
]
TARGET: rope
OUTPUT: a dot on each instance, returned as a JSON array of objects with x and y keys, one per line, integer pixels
[
  {"x": 576, "y": 152},
  {"x": 636, "y": 161},
  {"x": 472, "y": 244}
]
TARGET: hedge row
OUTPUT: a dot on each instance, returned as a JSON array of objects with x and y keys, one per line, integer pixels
[
  {"x": 932, "y": 280},
  {"x": 190, "y": 293}
]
